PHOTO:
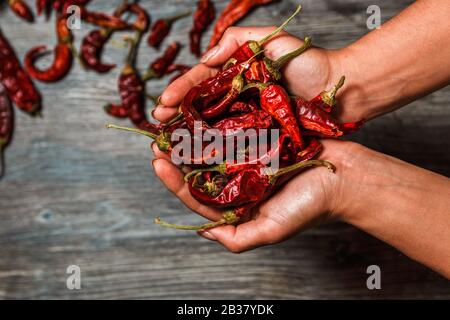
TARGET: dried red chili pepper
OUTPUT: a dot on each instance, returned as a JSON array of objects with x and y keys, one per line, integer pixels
[
  {"x": 255, "y": 119},
  {"x": 63, "y": 57},
  {"x": 232, "y": 13},
  {"x": 203, "y": 17},
  {"x": 267, "y": 70},
  {"x": 21, "y": 9},
  {"x": 250, "y": 47},
  {"x": 159, "y": 67},
  {"x": 275, "y": 101},
  {"x": 243, "y": 107},
  {"x": 248, "y": 186},
  {"x": 103, "y": 20},
  {"x": 6, "y": 125},
  {"x": 16, "y": 81},
  {"x": 161, "y": 29}
]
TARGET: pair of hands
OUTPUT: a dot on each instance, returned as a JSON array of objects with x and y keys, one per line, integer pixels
[{"x": 315, "y": 196}]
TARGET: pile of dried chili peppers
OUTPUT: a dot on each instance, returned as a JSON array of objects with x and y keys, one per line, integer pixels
[{"x": 247, "y": 94}]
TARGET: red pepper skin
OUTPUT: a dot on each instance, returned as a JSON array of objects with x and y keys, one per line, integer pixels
[
  {"x": 316, "y": 120},
  {"x": 255, "y": 119},
  {"x": 203, "y": 17},
  {"x": 158, "y": 68},
  {"x": 16, "y": 81},
  {"x": 275, "y": 101},
  {"x": 142, "y": 18},
  {"x": 222, "y": 106},
  {"x": 42, "y": 6},
  {"x": 6, "y": 124},
  {"x": 21, "y": 9},
  {"x": 189, "y": 111},
  {"x": 103, "y": 20},
  {"x": 91, "y": 50},
  {"x": 243, "y": 107},
  {"x": 233, "y": 12},
  {"x": 161, "y": 29}
]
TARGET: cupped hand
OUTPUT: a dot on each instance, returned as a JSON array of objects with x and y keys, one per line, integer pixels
[
  {"x": 313, "y": 197},
  {"x": 306, "y": 75}
]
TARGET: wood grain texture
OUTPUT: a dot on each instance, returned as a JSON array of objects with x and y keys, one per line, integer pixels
[{"x": 76, "y": 193}]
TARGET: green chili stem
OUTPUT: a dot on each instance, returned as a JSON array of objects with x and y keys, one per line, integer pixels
[
  {"x": 178, "y": 117},
  {"x": 300, "y": 165},
  {"x": 229, "y": 217},
  {"x": 176, "y": 17},
  {"x": 280, "y": 62},
  {"x": 280, "y": 28},
  {"x": 220, "y": 168},
  {"x": 138, "y": 131},
  {"x": 332, "y": 93}
]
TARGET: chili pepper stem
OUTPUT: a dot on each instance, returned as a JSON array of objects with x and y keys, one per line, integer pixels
[
  {"x": 329, "y": 96},
  {"x": 229, "y": 217},
  {"x": 280, "y": 28},
  {"x": 300, "y": 165},
  {"x": 177, "y": 17},
  {"x": 220, "y": 168},
  {"x": 178, "y": 117},
  {"x": 150, "y": 74},
  {"x": 138, "y": 131},
  {"x": 280, "y": 62}
]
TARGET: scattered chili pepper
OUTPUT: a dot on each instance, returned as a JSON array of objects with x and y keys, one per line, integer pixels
[
  {"x": 232, "y": 13},
  {"x": 161, "y": 29},
  {"x": 203, "y": 17},
  {"x": 16, "y": 81},
  {"x": 21, "y": 9},
  {"x": 250, "y": 47},
  {"x": 103, "y": 20},
  {"x": 6, "y": 125},
  {"x": 159, "y": 67},
  {"x": 63, "y": 57}
]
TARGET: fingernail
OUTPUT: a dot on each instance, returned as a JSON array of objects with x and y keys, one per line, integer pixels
[
  {"x": 207, "y": 235},
  {"x": 209, "y": 54},
  {"x": 153, "y": 112}
]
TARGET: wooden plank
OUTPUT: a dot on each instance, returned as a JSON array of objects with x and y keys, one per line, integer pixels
[{"x": 76, "y": 193}]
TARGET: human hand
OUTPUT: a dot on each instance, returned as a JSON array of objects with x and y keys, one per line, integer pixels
[
  {"x": 313, "y": 197},
  {"x": 307, "y": 75}
]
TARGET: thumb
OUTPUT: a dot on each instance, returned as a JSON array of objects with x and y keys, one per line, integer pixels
[{"x": 232, "y": 39}]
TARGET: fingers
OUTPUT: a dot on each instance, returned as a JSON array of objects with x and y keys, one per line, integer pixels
[
  {"x": 234, "y": 37},
  {"x": 175, "y": 92},
  {"x": 172, "y": 178},
  {"x": 246, "y": 236},
  {"x": 163, "y": 113}
]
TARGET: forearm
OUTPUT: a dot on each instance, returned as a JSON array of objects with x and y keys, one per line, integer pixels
[
  {"x": 404, "y": 60},
  {"x": 403, "y": 205}
]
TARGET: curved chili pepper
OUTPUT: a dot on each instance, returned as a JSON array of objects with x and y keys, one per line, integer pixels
[
  {"x": 220, "y": 107},
  {"x": 62, "y": 56},
  {"x": 6, "y": 125},
  {"x": 93, "y": 43},
  {"x": 250, "y": 47},
  {"x": 103, "y": 20},
  {"x": 203, "y": 17},
  {"x": 327, "y": 99},
  {"x": 159, "y": 67},
  {"x": 21, "y": 9},
  {"x": 42, "y": 6},
  {"x": 267, "y": 70},
  {"x": 16, "y": 81},
  {"x": 275, "y": 101},
  {"x": 232, "y": 13},
  {"x": 161, "y": 29}
]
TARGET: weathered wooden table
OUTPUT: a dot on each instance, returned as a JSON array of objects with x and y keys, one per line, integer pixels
[{"x": 77, "y": 194}]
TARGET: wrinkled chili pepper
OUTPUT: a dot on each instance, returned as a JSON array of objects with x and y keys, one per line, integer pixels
[
  {"x": 203, "y": 17},
  {"x": 159, "y": 67},
  {"x": 161, "y": 29},
  {"x": 316, "y": 119},
  {"x": 103, "y": 20},
  {"x": 327, "y": 99},
  {"x": 21, "y": 9},
  {"x": 248, "y": 186},
  {"x": 255, "y": 119},
  {"x": 267, "y": 70},
  {"x": 275, "y": 101},
  {"x": 16, "y": 81},
  {"x": 63, "y": 57},
  {"x": 243, "y": 107},
  {"x": 6, "y": 125},
  {"x": 250, "y": 47},
  {"x": 232, "y": 13}
]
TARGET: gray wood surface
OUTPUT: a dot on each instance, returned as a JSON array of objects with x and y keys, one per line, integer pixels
[{"x": 77, "y": 194}]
